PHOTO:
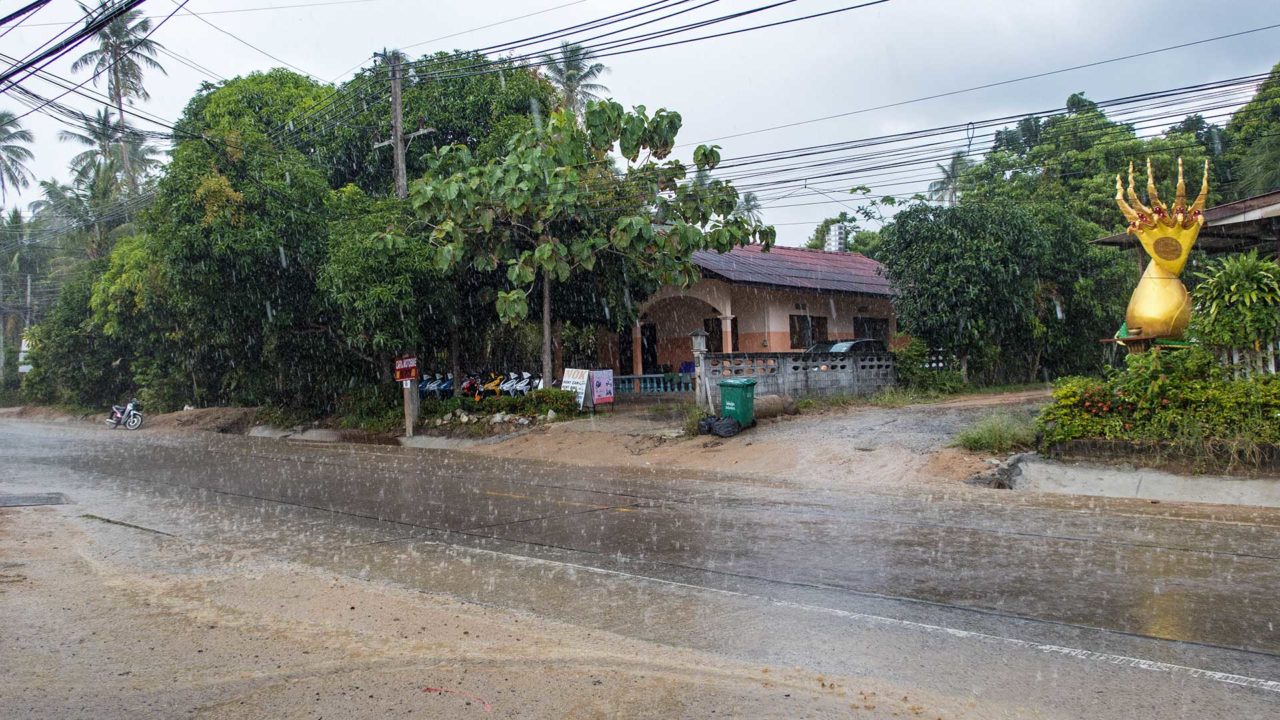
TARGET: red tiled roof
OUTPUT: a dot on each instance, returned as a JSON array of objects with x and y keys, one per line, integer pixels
[{"x": 798, "y": 268}]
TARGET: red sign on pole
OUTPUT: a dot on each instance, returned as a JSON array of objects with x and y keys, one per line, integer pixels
[{"x": 406, "y": 368}]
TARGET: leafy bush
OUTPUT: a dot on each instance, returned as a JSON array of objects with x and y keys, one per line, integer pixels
[
  {"x": 539, "y": 402},
  {"x": 910, "y": 362},
  {"x": 375, "y": 407},
  {"x": 998, "y": 434},
  {"x": 1166, "y": 396},
  {"x": 1237, "y": 303}
]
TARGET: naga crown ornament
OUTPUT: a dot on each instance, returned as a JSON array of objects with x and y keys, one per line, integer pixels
[{"x": 1167, "y": 234}]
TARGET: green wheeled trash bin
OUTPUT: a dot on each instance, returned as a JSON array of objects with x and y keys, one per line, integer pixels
[{"x": 738, "y": 400}]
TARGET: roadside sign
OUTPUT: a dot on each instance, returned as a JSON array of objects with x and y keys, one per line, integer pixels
[
  {"x": 406, "y": 384},
  {"x": 601, "y": 387},
  {"x": 576, "y": 381},
  {"x": 406, "y": 368}
]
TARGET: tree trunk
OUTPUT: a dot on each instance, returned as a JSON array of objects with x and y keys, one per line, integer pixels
[
  {"x": 126, "y": 163},
  {"x": 548, "y": 371},
  {"x": 455, "y": 360}
]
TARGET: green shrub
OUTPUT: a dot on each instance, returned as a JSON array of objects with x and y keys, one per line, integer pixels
[
  {"x": 998, "y": 434},
  {"x": 910, "y": 363},
  {"x": 283, "y": 417},
  {"x": 1166, "y": 396},
  {"x": 540, "y": 401},
  {"x": 375, "y": 407}
]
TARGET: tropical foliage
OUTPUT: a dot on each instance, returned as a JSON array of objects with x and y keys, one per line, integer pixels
[
  {"x": 1175, "y": 398},
  {"x": 552, "y": 207},
  {"x": 573, "y": 71},
  {"x": 1237, "y": 302},
  {"x": 14, "y": 153},
  {"x": 1013, "y": 291},
  {"x": 124, "y": 50}
]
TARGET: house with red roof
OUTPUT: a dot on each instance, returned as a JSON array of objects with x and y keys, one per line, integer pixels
[{"x": 753, "y": 301}]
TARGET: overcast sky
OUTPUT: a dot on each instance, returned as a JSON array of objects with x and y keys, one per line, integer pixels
[{"x": 895, "y": 51}]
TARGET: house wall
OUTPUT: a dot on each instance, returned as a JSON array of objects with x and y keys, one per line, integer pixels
[{"x": 763, "y": 314}]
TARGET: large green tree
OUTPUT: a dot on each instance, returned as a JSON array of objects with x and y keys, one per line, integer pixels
[
  {"x": 239, "y": 228},
  {"x": 1012, "y": 290},
  {"x": 480, "y": 110},
  {"x": 547, "y": 211},
  {"x": 1071, "y": 160},
  {"x": 1253, "y": 151}
]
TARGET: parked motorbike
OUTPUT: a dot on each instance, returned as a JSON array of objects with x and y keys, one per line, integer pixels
[
  {"x": 508, "y": 386},
  {"x": 444, "y": 388},
  {"x": 470, "y": 386},
  {"x": 490, "y": 387},
  {"x": 129, "y": 415},
  {"x": 523, "y": 385}
]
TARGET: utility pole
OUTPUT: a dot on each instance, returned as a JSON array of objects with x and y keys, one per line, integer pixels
[
  {"x": 397, "y": 129},
  {"x": 400, "y": 172},
  {"x": 27, "y": 324},
  {"x": 4, "y": 327}
]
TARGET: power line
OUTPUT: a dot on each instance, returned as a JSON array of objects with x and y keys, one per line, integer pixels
[
  {"x": 308, "y": 6},
  {"x": 241, "y": 40},
  {"x": 986, "y": 86},
  {"x": 22, "y": 14},
  {"x": 116, "y": 60},
  {"x": 93, "y": 25},
  {"x": 467, "y": 31}
]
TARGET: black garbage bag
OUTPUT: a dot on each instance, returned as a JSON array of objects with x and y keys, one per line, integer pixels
[
  {"x": 726, "y": 427},
  {"x": 705, "y": 424}
]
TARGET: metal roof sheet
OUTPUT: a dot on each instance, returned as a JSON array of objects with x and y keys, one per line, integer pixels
[{"x": 797, "y": 268}]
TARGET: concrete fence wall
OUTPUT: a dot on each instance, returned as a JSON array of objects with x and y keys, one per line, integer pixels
[{"x": 800, "y": 375}]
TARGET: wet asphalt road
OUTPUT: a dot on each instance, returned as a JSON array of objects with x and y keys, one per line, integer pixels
[{"x": 1075, "y": 606}]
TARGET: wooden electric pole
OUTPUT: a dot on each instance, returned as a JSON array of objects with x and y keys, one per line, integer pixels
[
  {"x": 400, "y": 172},
  {"x": 397, "y": 128}
]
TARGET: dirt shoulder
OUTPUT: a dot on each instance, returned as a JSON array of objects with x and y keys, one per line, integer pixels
[
  {"x": 829, "y": 448},
  {"x": 104, "y": 621}
]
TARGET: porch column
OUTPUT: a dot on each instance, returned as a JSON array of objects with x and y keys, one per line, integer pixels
[
  {"x": 637, "y": 356},
  {"x": 726, "y": 333}
]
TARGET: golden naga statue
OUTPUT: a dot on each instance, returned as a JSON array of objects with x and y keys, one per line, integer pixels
[{"x": 1160, "y": 306}]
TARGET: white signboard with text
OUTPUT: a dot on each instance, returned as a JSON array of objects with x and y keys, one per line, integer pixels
[{"x": 576, "y": 382}]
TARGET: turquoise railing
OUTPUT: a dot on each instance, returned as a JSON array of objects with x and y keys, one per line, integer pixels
[{"x": 659, "y": 384}]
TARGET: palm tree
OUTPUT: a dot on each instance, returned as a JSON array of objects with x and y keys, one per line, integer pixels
[
  {"x": 98, "y": 134},
  {"x": 14, "y": 153},
  {"x": 84, "y": 204},
  {"x": 947, "y": 188},
  {"x": 748, "y": 207},
  {"x": 574, "y": 74},
  {"x": 123, "y": 49},
  {"x": 1260, "y": 168}
]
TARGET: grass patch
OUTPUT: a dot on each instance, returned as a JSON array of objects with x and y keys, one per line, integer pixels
[
  {"x": 283, "y": 417},
  {"x": 999, "y": 433},
  {"x": 893, "y": 397},
  {"x": 1011, "y": 388},
  {"x": 690, "y": 414},
  {"x": 830, "y": 402}
]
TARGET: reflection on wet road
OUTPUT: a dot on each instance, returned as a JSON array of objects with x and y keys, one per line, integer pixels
[{"x": 1048, "y": 569}]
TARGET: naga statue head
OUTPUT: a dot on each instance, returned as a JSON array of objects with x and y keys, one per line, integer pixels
[{"x": 1167, "y": 234}]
